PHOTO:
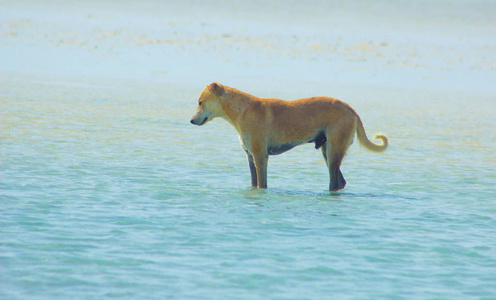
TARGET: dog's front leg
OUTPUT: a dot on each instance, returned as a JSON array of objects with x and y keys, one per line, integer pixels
[
  {"x": 261, "y": 160},
  {"x": 253, "y": 170}
]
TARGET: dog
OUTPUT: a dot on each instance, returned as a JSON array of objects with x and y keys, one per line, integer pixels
[{"x": 273, "y": 126}]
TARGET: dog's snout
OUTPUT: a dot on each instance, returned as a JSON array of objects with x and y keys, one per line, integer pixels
[{"x": 191, "y": 121}]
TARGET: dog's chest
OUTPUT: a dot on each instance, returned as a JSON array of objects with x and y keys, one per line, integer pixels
[{"x": 244, "y": 143}]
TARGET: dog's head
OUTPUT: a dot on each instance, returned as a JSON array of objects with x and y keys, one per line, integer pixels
[{"x": 209, "y": 106}]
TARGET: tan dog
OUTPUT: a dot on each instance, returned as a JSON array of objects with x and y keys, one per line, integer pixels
[{"x": 272, "y": 126}]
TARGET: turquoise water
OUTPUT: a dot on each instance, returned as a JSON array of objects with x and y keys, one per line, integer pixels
[
  {"x": 106, "y": 196},
  {"x": 107, "y": 191}
]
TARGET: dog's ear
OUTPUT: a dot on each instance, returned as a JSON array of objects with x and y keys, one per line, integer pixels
[{"x": 217, "y": 89}]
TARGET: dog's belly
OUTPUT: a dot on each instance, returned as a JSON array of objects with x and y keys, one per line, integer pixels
[
  {"x": 278, "y": 149},
  {"x": 319, "y": 139}
]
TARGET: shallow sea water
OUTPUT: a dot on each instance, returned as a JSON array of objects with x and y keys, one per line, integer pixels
[{"x": 107, "y": 191}]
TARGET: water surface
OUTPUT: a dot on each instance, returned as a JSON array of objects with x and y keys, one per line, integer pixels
[{"x": 107, "y": 191}]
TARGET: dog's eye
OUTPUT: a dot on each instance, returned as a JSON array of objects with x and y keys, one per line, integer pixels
[{"x": 200, "y": 103}]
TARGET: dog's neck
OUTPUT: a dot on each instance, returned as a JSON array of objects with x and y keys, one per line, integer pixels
[{"x": 235, "y": 104}]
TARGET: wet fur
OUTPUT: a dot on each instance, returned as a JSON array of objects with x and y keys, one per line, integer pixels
[{"x": 273, "y": 126}]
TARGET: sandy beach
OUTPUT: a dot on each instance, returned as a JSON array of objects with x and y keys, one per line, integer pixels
[{"x": 427, "y": 44}]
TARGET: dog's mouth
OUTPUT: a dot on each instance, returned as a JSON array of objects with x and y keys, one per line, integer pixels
[
  {"x": 199, "y": 123},
  {"x": 203, "y": 122}
]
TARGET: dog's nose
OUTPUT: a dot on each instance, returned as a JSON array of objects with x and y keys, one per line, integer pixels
[{"x": 191, "y": 121}]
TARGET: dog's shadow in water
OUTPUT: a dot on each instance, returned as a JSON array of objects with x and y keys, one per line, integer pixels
[{"x": 255, "y": 193}]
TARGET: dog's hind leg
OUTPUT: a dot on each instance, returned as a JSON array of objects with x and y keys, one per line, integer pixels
[
  {"x": 334, "y": 159},
  {"x": 340, "y": 175},
  {"x": 336, "y": 146},
  {"x": 253, "y": 170}
]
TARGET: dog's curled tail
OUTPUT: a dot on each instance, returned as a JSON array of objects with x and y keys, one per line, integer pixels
[{"x": 364, "y": 141}]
